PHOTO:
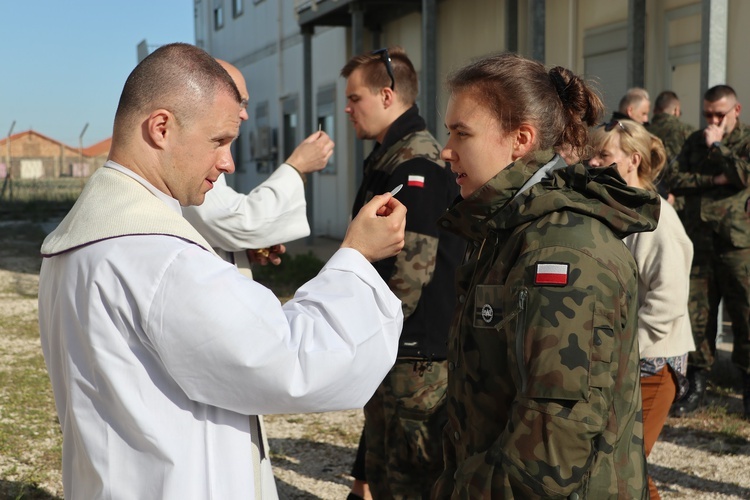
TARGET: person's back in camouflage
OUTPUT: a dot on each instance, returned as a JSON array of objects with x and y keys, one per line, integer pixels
[
  {"x": 672, "y": 132},
  {"x": 666, "y": 125}
]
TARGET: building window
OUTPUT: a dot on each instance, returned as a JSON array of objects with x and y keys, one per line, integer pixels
[
  {"x": 290, "y": 125},
  {"x": 239, "y": 158},
  {"x": 263, "y": 140},
  {"x": 218, "y": 17},
  {"x": 605, "y": 54},
  {"x": 326, "y": 120},
  {"x": 238, "y": 7}
]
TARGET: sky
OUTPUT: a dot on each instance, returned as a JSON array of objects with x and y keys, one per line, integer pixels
[{"x": 63, "y": 63}]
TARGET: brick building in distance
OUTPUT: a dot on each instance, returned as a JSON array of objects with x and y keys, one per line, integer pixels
[{"x": 31, "y": 155}]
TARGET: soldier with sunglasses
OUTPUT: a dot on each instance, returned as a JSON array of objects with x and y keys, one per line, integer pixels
[
  {"x": 712, "y": 173},
  {"x": 405, "y": 417}
]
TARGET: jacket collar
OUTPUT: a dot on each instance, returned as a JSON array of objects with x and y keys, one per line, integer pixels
[
  {"x": 599, "y": 193},
  {"x": 410, "y": 121}
]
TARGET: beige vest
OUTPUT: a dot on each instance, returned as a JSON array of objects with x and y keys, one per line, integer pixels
[{"x": 114, "y": 204}]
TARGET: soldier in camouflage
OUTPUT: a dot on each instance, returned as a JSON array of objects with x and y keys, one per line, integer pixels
[
  {"x": 712, "y": 172},
  {"x": 666, "y": 125},
  {"x": 405, "y": 417},
  {"x": 543, "y": 386}
]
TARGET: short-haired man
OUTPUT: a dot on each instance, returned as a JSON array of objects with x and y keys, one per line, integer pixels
[
  {"x": 251, "y": 228},
  {"x": 712, "y": 172},
  {"x": 274, "y": 212},
  {"x": 160, "y": 353},
  {"x": 666, "y": 125},
  {"x": 634, "y": 105},
  {"x": 405, "y": 417}
]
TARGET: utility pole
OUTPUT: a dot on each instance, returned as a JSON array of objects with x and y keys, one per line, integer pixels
[
  {"x": 80, "y": 150},
  {"x": 8, "y": 182}
]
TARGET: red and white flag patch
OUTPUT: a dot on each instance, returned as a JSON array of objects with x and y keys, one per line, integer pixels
[
  {"x": 415, "y": 181},
  {"x": 548, "y": 273}
]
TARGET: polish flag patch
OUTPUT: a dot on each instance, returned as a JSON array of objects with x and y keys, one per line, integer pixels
[
  {"x": 548, "y": 273},
  {"x": 415, "y": 181}
]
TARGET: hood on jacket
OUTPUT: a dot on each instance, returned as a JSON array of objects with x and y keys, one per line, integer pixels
[{"x": 600, "y": 193}]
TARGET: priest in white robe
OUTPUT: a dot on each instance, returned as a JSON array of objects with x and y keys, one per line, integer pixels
[{"x": 159, "y": 352}]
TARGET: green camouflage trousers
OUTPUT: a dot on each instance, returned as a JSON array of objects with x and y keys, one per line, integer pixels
[
  {"x": 404, "y": 423},
  {"x": 719, "y": 272}
]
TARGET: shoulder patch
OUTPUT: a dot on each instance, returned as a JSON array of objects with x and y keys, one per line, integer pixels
[
  {"x": 415, "y": 181},
  {"x": 551, "y": 273}
]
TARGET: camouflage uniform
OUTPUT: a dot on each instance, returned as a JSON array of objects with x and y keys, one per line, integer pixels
[
  {"x": 673, "y": 133},
  {"x": 544, "y": 395},
  {"x": 716, "y": 219},
  {"x": 405, "y": 417}
]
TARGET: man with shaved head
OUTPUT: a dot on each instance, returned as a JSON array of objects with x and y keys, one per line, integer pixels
[
  {"x": 161, "y": 353},
  {"x": 275, "y": 212}
]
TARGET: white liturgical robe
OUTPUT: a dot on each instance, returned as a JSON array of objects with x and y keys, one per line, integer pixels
[{"x": 158, "y": 350}]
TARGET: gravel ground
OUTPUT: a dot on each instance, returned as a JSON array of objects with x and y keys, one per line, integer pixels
[
  {"x": 685, "y": 462},
  {"x": 707, "y": 457}
]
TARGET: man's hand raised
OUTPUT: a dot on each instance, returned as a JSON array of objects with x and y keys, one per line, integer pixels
[
  {"x": 312, "y": 154},
  {"x": 377, "y": 232}
]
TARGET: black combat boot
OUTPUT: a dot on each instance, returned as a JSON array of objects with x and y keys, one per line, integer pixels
[
  {"x": 746, "y": 394},
  {"x": 698, "y": 378}
]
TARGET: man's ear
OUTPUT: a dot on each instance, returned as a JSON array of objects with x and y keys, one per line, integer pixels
[
  {"x": 388, "y": 97},
  {"x": 158, "y": 125},
  {"x": 525, "y": 138}
]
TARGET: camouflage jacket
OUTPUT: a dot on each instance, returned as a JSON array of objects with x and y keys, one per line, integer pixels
[
  {"x": 672, "y": 132},
  {"x": 708, "y": 208},
  {"x": 543, "y": 388},
  {"x": 421, "y": 275}
]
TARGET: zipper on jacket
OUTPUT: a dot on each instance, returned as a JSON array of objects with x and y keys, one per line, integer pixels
[
  {"x": 520, "y": 313},
  {"x": 520, "y": 327}
]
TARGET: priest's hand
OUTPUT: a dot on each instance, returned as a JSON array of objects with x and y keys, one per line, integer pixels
[
  {"x": 377, "y": 232},
  {"x": 263, "y": 256},
  {"x": 312, "y": 154}
]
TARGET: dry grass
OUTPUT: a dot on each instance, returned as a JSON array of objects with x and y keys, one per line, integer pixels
[{"x": 30, "y": 438}]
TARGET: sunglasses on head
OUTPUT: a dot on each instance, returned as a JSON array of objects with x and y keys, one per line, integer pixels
[
  {"x": 386, "y": 58},
  {"x": 615, "y": 123}
]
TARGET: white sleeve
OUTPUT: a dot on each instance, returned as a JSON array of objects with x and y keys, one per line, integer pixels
[
  {"x": 663, "y": 258},
  {"x": 228, "y": 342},
  {"x": 274, "y": 212}
]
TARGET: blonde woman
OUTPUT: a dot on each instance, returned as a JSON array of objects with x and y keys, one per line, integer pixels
[{"x": 663, "y": 258}]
